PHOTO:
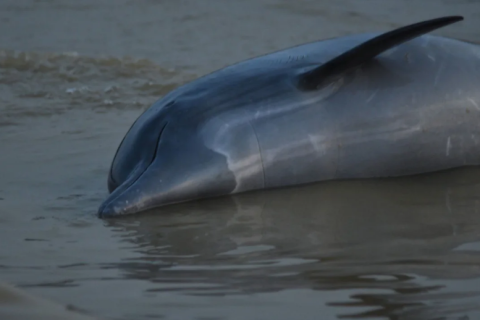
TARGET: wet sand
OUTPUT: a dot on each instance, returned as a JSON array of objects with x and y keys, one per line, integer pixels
[
  {"x": 16, "y": 304},
  {"x": 74, "y": 76}
]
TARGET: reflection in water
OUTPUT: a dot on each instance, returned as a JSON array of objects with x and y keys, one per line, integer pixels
[{"x": 395, "y": 244}]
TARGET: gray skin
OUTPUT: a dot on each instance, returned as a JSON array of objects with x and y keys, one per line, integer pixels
[{"x": 413, "y": 109}]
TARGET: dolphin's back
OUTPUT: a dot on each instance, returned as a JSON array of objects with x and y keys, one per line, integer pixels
[{"x": 414, "y": 109}]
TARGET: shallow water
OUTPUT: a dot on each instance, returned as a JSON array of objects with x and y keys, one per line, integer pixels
[{"x": 74, "y": 76}]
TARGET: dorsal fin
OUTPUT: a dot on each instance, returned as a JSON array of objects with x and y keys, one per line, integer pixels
[{"x": 366, "y": 51}]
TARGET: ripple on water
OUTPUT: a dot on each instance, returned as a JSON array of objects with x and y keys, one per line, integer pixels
[{"x": 41, "y": 84}]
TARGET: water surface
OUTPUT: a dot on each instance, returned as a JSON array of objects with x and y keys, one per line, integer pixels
[{"x": 75, "y": 75}]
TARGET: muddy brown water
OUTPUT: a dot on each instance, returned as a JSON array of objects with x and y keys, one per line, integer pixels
[{"x": 74, "y": 76}]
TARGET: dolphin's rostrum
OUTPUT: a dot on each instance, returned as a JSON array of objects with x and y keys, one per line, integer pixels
[{"x": 358, "y": 106}]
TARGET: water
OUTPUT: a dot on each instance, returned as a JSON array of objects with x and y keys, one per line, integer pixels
[{"x": 74, "y": 76}]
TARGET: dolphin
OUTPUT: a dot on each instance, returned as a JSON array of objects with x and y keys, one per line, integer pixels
[{"x": 359, "y": 106}]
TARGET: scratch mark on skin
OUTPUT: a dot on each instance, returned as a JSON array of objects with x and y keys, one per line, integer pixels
[
  {"x": 449, "y": 145},
  {"x": 372, "y": 96},
  {"x": 474, "y": 103},
  {"x": 437, "y": 76},
  {"x": 260, "y": 153},
  {"x": 314, "y": 143}
]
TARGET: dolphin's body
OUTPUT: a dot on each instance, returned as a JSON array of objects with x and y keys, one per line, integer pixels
[{"x": 359, "y": 106}]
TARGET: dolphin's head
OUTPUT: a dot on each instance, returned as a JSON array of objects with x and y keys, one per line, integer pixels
[
  {"x": 173, "y": 154},
  {"x": 197, "y": 142}
]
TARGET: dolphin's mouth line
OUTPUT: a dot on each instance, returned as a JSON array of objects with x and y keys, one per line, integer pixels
[
  {"x": 110, "y": 174},
  {"x": 128, "y": 183},
  {"x": 153, "y": 157}
]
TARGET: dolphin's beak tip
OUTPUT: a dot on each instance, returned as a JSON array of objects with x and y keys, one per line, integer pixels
[
  {"x": 106, "y": 211},
  {"x": 102, "y": 213},
  {"x": 119, "y": 205}
]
